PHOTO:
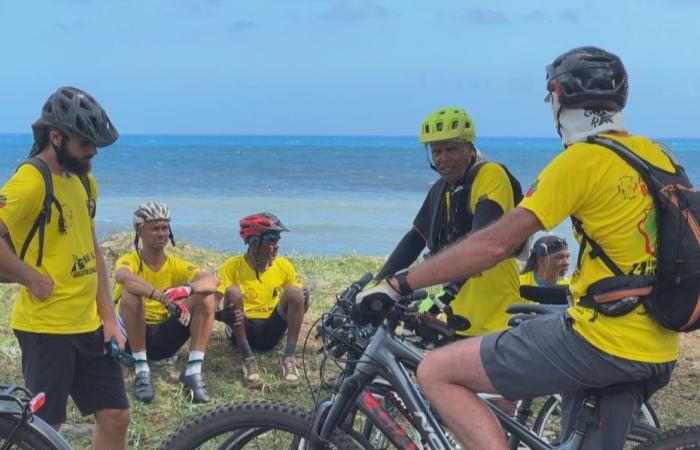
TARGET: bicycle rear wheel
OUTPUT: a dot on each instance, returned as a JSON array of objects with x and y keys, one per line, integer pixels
[
  {"x": 676, "y": 439},
  {"x": 548, "y": 422},
  {"x": 265, "y": 425},
  {"x": 26, "y": 438}
]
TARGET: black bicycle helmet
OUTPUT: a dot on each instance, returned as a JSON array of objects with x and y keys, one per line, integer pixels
[
  {"x": 588, "y": 78},
  {"x": 77, "y": 114}
]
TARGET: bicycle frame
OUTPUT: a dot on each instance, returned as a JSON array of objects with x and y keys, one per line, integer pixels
[{"x": 389, "y": 358}]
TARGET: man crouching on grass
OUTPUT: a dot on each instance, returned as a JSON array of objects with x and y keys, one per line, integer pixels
[{"x": 263, "y": 298}]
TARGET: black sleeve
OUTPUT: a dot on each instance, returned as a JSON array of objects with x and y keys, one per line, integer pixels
[
  {"x": 405, "y": 253},
  {"x": 487, "y": 212}
]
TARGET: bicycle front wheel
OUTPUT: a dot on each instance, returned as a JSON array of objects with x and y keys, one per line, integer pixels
[
  {"x": 676, "y": 439},
  {"x": 26, "y": 437},
  {"x": 265, "y": 425}
]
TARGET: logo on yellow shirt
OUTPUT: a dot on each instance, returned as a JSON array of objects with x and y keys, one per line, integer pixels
[{"x": 80, "y": 265}]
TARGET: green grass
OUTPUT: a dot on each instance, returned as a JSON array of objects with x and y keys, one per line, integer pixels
[{"x": 324, "y": 276}]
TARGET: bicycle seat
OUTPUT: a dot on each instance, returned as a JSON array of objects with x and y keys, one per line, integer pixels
[
  {"x": 547, "y": 295},
  {"x": 534, "y": 308}
]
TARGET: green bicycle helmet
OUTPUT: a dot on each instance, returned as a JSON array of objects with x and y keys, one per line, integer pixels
[{"x": 447, "y": 124}]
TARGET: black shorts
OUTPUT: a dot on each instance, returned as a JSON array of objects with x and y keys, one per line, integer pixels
[
  {"x": 71, "y": 364},
  {"x": 164, "y": 339},
  {"x": 264, "y": 334}
]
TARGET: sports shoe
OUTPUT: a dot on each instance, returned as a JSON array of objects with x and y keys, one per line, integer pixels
[
  {"x": 251, "y": 373},
  {"x": 195, "y": 383},
  {"x": 143, "y": 387},
  {"x": 290, "y": 374}
]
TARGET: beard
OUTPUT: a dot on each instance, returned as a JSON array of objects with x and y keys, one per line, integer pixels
[{"x": 71, "y": 163}]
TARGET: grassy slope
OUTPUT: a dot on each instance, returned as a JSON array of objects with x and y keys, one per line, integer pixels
[{"x": 324, "y": 276}]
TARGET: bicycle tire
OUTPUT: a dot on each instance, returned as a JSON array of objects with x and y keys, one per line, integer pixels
[
  {"x": 675, "y": 439},
  {"x": 26, "y": 438},
  {"x": 552, "y": 408},
  {"x": 238, "y": 424}
]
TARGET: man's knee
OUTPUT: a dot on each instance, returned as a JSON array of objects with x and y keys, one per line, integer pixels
[
  {"x": 295, "y": 297},
  {"x": 233, "y": 297},
  {"x": 130, "y": 302},
  {"x": 113, "y": 420}
]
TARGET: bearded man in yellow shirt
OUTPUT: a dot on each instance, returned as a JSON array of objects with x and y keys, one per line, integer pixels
[
  {"x": 63, "y": 315},
  {"x": 586, "y": 347}
]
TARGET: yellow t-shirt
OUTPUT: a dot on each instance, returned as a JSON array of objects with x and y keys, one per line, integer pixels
[
  {"x": 175, "y": 272},
  {"x": 486, "y": 296},
  {"x": 259, "y": 296},
  {"x": 528, "y": 279},
  {"x": 617, "y": 211},
  {"x": 69, "y": 259}
]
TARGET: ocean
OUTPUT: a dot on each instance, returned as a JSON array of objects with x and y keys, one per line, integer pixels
[{"x": 337, "y": 195}]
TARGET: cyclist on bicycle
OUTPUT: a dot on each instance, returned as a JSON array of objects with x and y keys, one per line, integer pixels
[
  {"x": 587, "y": 90},
  {"x": 63, "y": 314},
  {"x": 470, "y": 194},
  {"x": 263, "y": 298},
  {"x": 547, "y": 263},
  {"x": 147, "y": 280}
]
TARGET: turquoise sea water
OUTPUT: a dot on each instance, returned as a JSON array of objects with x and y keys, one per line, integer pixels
[{"x": 336, "y": 194}]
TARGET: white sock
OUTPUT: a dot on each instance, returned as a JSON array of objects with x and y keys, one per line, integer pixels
[
  {"x": 194, "y": 363},
  {"x": 141, "y": 362}
]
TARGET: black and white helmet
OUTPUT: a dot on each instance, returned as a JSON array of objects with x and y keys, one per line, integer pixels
[{"x": 150, "y": 211}]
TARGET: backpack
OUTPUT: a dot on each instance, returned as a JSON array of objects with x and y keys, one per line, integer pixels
[
  {"x": 674, "y": 289},
  {"x": 46, "y": 210}
]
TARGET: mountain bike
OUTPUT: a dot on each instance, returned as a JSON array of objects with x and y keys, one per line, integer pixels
[
  {"x": 19, "y": 427},
  {"x": 355, "y": 406}
]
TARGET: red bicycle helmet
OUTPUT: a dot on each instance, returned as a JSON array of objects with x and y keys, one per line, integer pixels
[{"x": 258, "y": 224}]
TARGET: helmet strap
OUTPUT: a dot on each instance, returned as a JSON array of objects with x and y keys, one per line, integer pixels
[{"x": 427, "y": 157}]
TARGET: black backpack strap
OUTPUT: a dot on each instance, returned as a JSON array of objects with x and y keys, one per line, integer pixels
[
  {"x": 630, "y": 158},
  {"x": 596, "y": 250},
  {"x": 45, "y": 214},
  {"x": 92, "y": 209}
]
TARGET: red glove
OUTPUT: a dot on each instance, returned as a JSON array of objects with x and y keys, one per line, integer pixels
[{"x": 178, "y": 292}]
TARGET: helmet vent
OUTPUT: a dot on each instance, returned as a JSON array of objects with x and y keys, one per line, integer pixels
[{"x": 438, "y": 126}]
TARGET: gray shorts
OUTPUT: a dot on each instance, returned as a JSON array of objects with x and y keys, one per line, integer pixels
[{"x": 544, "y": 356}]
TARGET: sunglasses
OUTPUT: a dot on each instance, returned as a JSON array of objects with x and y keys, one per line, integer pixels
[
  {"x": 272, "y": 236},
  {"x": 123, "y": 358}
]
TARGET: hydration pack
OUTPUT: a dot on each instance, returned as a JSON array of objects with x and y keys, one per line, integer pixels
[{"x": 672, "y": 294}]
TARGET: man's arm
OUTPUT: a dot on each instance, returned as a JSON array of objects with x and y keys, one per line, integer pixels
[
  {"x": 13, "y": 268},
  {"x": 478, "y": 252},
  {"x": 405, "y": 253},
  {"x": 105, "y": 305}
]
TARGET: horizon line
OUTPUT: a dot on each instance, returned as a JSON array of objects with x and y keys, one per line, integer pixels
[{"x": 29, "y": 134}]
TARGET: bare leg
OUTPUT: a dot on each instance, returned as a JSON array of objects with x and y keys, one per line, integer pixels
[
  {"x": 293, "y": 302},
  {"x": 202, "y": 309},
  {"x": 235, "y": 297},
  {"x": 110, "y": 429},
  {"x": 450, "y": 377},
  {"x": 132, "y": 310}
]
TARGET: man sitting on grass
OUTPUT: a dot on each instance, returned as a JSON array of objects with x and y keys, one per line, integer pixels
[
  {"x": 148, "y": 279},
  {"x": 263, "y": 298}
]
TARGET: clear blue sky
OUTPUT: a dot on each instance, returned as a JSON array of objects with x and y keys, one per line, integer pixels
[{"x": 369, "y": 67}]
